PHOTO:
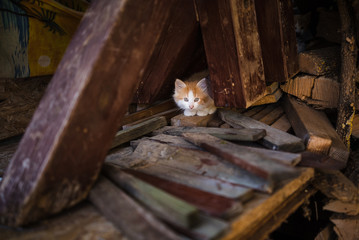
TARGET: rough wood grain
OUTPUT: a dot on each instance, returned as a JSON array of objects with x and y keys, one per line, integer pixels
[
  {"x": 209, "y": 203},
  {"x": 173, "y": 55},
  {"x": 346, "y": 228},
  {"x": 126, "y": 214},
  {"x": 163, "y": 205},
  {"x": 250, "y": 160},
  {"x": 351, "y": 208},
  {"x": 282, "y": 124},
  {"x": 191, "y": 121},
  {"x": 274, "y": 115},
  {"x": 231, "y": 40},
  {"x": 138, "y": 130},
  {"x": 245, "y": 134},
  {"x": 265, "y": 213},
  {"x": 309, "y": 124},
  {"x": 175, "y": 141},
  {"x": 275, "y": 138},
  {"x": 320, "y": 161},
  {"x": 355, "y": 132},
  {"x": 278, "y": 43},
  {"x": 61, "y": 153}
]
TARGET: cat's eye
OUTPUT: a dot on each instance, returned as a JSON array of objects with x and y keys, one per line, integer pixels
[
  {"x": 185, "y": 99},
  {"x": 196, "y": 99}
]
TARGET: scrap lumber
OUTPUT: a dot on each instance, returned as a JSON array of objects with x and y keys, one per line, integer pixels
[
  {"x": 138, "y": 130},
  {"x": 309, "y": 124},
  {"x": 233, "y": 50},
  {"x": 252, "y": 110},
  {"x": 345, "y": 227},
  {"x": 355, "y": 132},
  {"x": 275, "y": 138},
  {"x": 209, "y": 203},
  {"x": 326, "y": 234},
  {"x": 323, "y": 61},
  {"x": 126, "y": 214},
  {"x": 271, "y": 117},
  {"x": 191, "y": 121},
  {"x": 215, "y": 121},
  {"x": 7, "y": 150},
  {"x": 282, "y": 123},
  {"x": 278, "y": 43},
  {"x": 320, "y": 161},
  {"x": 316, "y": 131},
  {"x": 148, "y": 112},
  {"x": 268, "y": 109},
  {"x": 348, "y": 208},
  {"x": 273, "y": 94},
  {"x": 245, "y": 134},
  {"x": 336, "y": 185},
  {"x": 250, "y": 160},
  {"x": 319, "y": 91},
  {"x": 173, "y": 55},
  {"x": 61, "y": 152},
  {"x": 263, "y": 215},
  {"x": 348, "y": 71},
  {"x": 165, "y": 206},
  {"x": 175, "y": 141}
]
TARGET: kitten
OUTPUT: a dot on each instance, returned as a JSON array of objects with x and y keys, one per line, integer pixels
[{"x": 192, "y": 95}]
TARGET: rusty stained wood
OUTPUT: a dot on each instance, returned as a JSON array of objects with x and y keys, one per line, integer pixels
[
  {"x": 278, "y": 42},
  {"x": 174, "y": 54},
  {"x": 62, "y": 151},
  {"x": 247, "y": 158},
  {"x": 232, "y": 45}
]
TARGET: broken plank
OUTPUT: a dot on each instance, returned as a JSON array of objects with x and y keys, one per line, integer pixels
[
  {"x": 245, "y": 134},
  {"x": 346, "y": 227},
  {"x": 251, "y": 161},
  {"x": 138, "y": 130},
  {"x": 199, "y": 162},
  {"x": 165, "y": 206},
  {"x": 126, "y": 214},
  {"x": 191, "y": 121},
  {"x": 275, "y": 138},
  {"x": 348, "y": 208},
  {"x": 309, "y": 124},
  {"x": 212, "y": 204},
  {"x": 316, "y": 130},
  {"x": 273, "y": 94},
  {"x": 76, "y": 120}
]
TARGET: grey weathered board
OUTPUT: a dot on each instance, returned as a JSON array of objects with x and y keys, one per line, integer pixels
[
  {"x": 275, "y": 138},
  {"x": 227, "y": 134},
  {"x": 316, "y": 130},
  {"x": 164, "y": 205},
  {"x": 125, "y": 213},
  {"x": 138, "y": 130},
  {"x": 254, "y": 162},
  {"x": 175, "y": 141}
]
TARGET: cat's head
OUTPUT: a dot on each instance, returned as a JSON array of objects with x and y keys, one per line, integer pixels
[{"x": 190, "y": 95}]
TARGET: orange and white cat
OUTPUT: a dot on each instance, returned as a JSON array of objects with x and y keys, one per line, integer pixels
[{"x": 192, "y": 95}]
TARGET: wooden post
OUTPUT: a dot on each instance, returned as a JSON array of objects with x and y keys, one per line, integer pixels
[
  {"x": 62, "y": 151},
  {"x": 231, "y": 41}
]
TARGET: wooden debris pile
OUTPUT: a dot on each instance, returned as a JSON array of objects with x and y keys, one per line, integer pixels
[{"x": 202, "y": 175}]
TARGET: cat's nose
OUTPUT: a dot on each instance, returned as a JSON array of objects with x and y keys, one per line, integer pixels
[{"x": 191, "y": 106}]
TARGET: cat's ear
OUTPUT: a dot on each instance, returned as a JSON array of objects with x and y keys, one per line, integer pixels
[
  {"x": 202, "y": 84},
  {"x": 179, "y": 84}
]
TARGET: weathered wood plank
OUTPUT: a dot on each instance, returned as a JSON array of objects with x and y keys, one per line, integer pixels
[
  {"x": 258, "y": 219},
  {"x": 149, "y": 112},
  {"x": 173, "y": 55},
  {"x": 282, "y": 124},
  {"x": 245, "y": 134},
  {"x": 320, "y": 161},
  {"x": 346, "y": 228},
  {"x": 275, "y": 138},
  {"x": 77, "y": 117},
  {"x": 252, "y": 111},
  {"x": 278, "y": 42},
  {"x": 126, "y": 214},
  {"x": 165, "y": 206},
  {"x": 231, "y": 41},
  {"x": 191, "y": 121},
  {"x": 268, "y": 109},
  {"x": 316, "y": 130},
  {"x": 274, "y": 115},
  {"x": 175, "y": 141},
  {"x": 252, "y": 161},
  {"x": 336, "y": 185},
  {"x": 348, "y": 208},
  {"x": 355, "y": 132},
  {"x": 209, "y": 203},
  {"x": 309, "y": 124},
  {"x": 138, "y": 130}
]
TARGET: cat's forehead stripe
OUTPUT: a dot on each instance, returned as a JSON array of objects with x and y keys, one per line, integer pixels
[{"x": 190, "y": 95}]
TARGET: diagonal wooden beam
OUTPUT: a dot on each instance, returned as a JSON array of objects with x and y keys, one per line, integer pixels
[{"x": 62, "y": 151}]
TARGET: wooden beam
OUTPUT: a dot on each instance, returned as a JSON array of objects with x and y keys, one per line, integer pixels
[
  {"x": 191, "y": 121},
  {"x": 231, "y": 41},
  {"x": 61, "y": 153},
  {"x": 173, "y": 54}
]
